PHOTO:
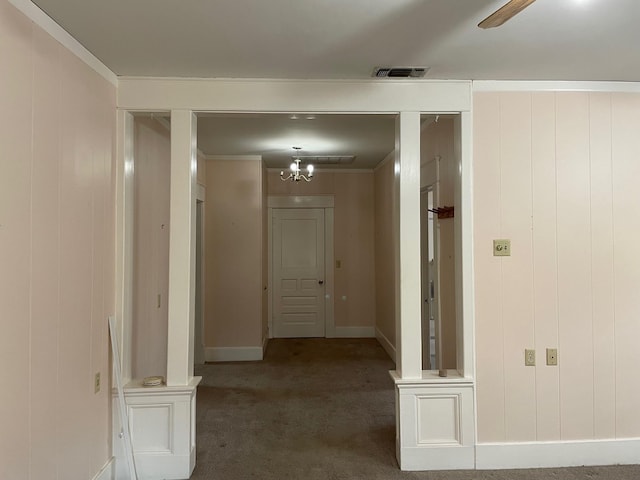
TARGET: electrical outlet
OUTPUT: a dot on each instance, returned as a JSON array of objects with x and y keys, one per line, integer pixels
[
  {"x": 502, "y": 248},
  {"x": 96, "y": 387},
  {"x": 552, "y": 356},
  {"x": 530, "y": 358}
]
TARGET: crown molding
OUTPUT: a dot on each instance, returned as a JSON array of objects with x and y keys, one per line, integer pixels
[
  {"x": 44, "y": 21},
  {"x": 554, "y": 86}
]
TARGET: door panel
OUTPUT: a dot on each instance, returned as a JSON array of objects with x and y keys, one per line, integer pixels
[{"x": 298, "y": 273}]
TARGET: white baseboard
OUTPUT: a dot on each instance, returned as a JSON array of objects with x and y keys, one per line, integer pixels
[
  {"x": 233, "y": 354},
  {"x": 354, "y": 332},
  {"x": 107, "y": 472},
  {"x": 386, "y": 344},
  {"x": 491, "y": 456}
]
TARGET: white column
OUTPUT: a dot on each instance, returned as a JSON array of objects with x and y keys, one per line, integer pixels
[
  {"x": 124, "y": 239},
  {"x": 407, "y": 248},
  {"x": 182, "y": 248},
  {"x": 464, "y": 244}
]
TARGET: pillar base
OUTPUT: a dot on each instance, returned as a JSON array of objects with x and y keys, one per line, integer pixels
[
  {"x": 162, "y": 422},
  {"x": 435, "y": 424}
]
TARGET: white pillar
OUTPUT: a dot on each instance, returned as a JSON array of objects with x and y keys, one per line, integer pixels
[
  {"x": 182, "y": 247},
  {"x": 407, "y": 248},
  {"x": 124, "y": 239}
]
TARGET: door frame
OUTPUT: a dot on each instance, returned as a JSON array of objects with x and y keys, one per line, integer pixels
[{"x": 325, "y": 202}]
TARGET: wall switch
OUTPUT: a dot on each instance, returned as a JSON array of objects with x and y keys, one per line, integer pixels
[
  {"x": 530, "y": 358},
  {"x": 96, "y": 387},
  {"x": 502, "y": 248},
  {"x": 552, "y": 356},
  {"x": 338, "y": 263}
]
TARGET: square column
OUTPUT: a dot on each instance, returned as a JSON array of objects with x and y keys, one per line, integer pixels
[
  {"x": 182, "y": 247},
  {"x": 407, "y": 246}
]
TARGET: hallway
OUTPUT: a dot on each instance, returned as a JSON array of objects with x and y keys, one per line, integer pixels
[{"x": 318, "y": 409}]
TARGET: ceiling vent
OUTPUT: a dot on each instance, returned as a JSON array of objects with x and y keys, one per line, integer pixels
[
  {"x": 327, "y": 159},
  {"x": 399, "y": 72}
]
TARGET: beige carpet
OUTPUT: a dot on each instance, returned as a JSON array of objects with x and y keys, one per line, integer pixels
[{"x": 318, "y": 409}]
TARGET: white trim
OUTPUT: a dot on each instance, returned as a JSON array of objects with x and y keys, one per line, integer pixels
[
  {"x": 317, "y": 96},
  {"x": 300, "y": 201},
  {"x": 554, "y": 86},
  {"x": 201, "y": 193},
  {"x": 386, "y": 344},
  {"x": 320, "y": 169},
  {"x": 265, "y": 344},
  {"x": 354, "y": 332},
  {"x": 329, "y": 273},
  {"x": 557, "y": 454},
  {"x": 233, "y": 354},
  {"x": 42, "y": 20},
  {"x": 254, "y": 158},
  {"x": 106, "y": 472},
  {"x": 390, "y": 156}
]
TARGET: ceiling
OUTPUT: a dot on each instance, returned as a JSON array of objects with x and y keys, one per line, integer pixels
[
  {"x": 328, "y": 39},
  {"x": 369, "y": 137}
]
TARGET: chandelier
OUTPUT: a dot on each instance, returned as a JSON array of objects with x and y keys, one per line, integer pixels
[{"x": 295, "y": 174}]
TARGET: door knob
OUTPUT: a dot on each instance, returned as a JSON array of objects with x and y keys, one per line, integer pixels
[{"x": 321, "y": 282}]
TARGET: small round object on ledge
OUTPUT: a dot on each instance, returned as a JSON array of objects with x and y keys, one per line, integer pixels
[{"x": 153, "y": 381}]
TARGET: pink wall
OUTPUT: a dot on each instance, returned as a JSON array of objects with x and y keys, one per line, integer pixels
[
  {"x": 353, "y": 239},
  {"x": 233, "y": 254},
  {"x": 57, "y": 137},
  {"x": 557, "y": 173},
  {"x": 151, "y": 248},
  {"x": 384, "y": 252}
]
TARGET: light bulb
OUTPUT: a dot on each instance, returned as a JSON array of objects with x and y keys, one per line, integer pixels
[
  {"x": 293, "y": 167},
  {"x": 310, "y": 169}
]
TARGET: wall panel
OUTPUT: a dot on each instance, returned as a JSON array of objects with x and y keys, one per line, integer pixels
[
  {"x": 626, "y": 237},
  {"x": 57, "y": 134},
  {"x": 573, "y": 284}
]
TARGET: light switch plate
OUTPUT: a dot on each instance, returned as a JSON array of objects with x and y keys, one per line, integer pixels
[{"x": 502, "y": 248}]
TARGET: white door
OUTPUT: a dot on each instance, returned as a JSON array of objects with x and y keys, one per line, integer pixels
[{"x": 298, "y": 272}]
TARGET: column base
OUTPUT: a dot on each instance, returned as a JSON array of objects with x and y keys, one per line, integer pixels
[
  {"x": 162, "y": 422},
  {"x": 435, "y": 424}
]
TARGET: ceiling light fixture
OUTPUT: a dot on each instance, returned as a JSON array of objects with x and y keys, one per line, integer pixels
[{"x": 294, "y": 174}]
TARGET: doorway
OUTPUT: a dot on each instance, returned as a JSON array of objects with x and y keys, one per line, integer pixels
[{"x": 298, "y": 272}]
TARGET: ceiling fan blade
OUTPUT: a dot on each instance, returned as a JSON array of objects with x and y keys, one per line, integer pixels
[{"x": 504, "y": 13}]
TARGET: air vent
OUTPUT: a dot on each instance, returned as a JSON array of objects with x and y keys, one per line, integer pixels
[
  {"x": 327, "y": 159},
  {"x": 399, "y": 72}
]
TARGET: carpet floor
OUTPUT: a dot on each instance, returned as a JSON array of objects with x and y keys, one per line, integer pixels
[{"x": 319, "y": 409}]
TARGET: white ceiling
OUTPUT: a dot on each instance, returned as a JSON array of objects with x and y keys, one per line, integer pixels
[
  {"x": 550, "y": 40},
  {"x": 369, "y": 137}
]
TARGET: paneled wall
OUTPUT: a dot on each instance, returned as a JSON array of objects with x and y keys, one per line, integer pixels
[
  {"x": 151, "y": 247},
  {"x": 57, "y": 137},
  {"x": 557, "y": 173},
  {"x": 353, "y": 239}
]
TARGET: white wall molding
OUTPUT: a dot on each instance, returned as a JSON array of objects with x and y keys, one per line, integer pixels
[
  {"x": 107, "y": 472},
  {"x": 390, "y": 157},
  {"x": 233, "y": 354},
  {"x": 386, "y": 344},
  {"x": 300, "y": 201},
  {"x": 312, "y": 96},
  {"x": 557, "y": 454},
  {"x": 354, "y": 332},
  {"x": 252, "y": 158},
  {"x": 42, "y": 20},
  {"x": 554, "y": 86},
  {"x": 321, "y": 169}
]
